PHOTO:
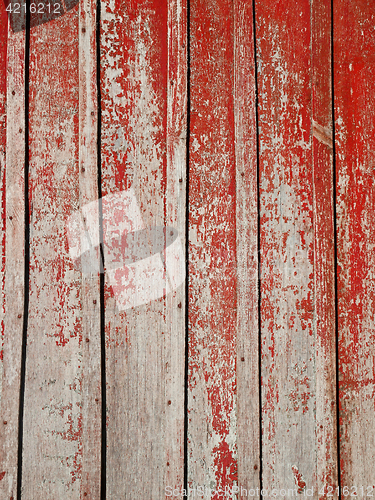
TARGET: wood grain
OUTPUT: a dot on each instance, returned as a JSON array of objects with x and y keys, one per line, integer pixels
[
  {"x": 14, "y": 290},
  {"x": 296, "y": 231},
  {"x": 56, "y": 399},
  {"x": 324, "y": 251},
  {"x": 212, "y": 435},
  {"x": 90, "y": 303},
  {"x": 247, "y": 255},
  {"x": 354, "y": 56},
  {"x": 143, "y": 85}
]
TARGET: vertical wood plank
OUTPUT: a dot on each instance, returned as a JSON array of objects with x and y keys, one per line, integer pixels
[
  {"x": 14, "y": 289},
  {"x": 3, "y": 141},
  {"x": 297, "y": 273},
  {"x": 324, "y": 251},
  {"x": 62, "y": 369},
  {"x": 176, "y": 184},
  {"x": 143, "y": 82},
  {"x": 354, "y": 58},
  {"x": 248, "y": 387},
  {"x": 91, "y": 324},
  {"x": 212, "y": 251}
]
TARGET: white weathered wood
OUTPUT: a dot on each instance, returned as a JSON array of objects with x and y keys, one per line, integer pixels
[
  {"x": 143, "y": 132},
  {"x": 14, "y": 262},
  {"x": 248, "y": 383},
  {"x": 52, "y": 447},
  {"x": 88, "y": 182}
]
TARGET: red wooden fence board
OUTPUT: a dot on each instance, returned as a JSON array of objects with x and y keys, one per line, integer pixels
[
  {"x": 295, "y": 247},
  {"x": 143, "y": 85},
  {"x": 212, "y": 250},
  {"x": 324, "y": 252},
  {"x": 354, "y": 56}
]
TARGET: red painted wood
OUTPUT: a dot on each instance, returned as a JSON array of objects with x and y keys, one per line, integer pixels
[
  {"x": 212, "y": 250},
  {"x": 143, "y": 85},
  {"x": 296, "y": 230},
  {"x": 324, "y": 252},
  {"x": 354, "y": 56},
  {"x": 56, "y": 375}
]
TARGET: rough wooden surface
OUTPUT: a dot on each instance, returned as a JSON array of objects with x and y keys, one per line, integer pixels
[
  {"x": 296, "y": 231},
  {"x": 143, "y": 85},
  {"x": 90, "y": 297},
  {"x": 324, "y": 251},
  {"x": 14, "y": 290},
  {"x": 354, "y": 56},
  {"x": 247, "y": 255},
  {"x": 212, "y": 460},
  {"x": 56, "y": 349},
  {"x": 275, "y": 431}
]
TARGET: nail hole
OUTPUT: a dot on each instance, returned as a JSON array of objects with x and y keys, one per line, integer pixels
[
  {"x": 82, "y": 169},
  {"x": 255, "y": 467},
  {"x": 180, "y": 180},
  {"x": 92, "y": 113},
  {"x": 5, "y": 422},
  {"x": 179, "y": 305},
  {"x": 20, "y": 130},
  {"x": 242, "y": 359},
  {"x": 13, "y": 92},
  {"x": 20, "y": 315},
  {"x": 169, "y": 402},
  {"x": 167, "y": 464},
  {"x": 87, "y": 340},
  {"x": 94, "y": 301},
  {"x": 84, "y": 31}
]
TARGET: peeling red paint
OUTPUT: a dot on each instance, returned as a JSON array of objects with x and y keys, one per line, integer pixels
[{"x": 298, "y": 479}]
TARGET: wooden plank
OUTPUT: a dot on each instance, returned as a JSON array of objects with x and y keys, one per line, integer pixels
[
  {"x": 212, "y": 251},
  {"x": 354, "y": 57},
  {"x": 62, "y": 371},
  {"x": 90, "y": 301},
  {"x": 248, "y": 387},
  {"x": 13, "y": 174},
  {"x": 143, "y": 80},
  {"x": 324, "y": 252},
  {"x": 3, "y": 141},
  {"x": 297, "y": 301}
]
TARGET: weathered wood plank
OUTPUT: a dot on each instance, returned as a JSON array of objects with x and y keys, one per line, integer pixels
[
  {"x": 13, "y": 173},
  {"x": 88, "y": 183},
  {"x": 143, "y": 148},
  {"x": 212, "y": 251},
  {"x": 3, "y": 141},
  {"x": 324, "y": 252},
  {"x": 297, "y": 311},
  {"x": 248, "y": 386},
  {"x": 354, "y": 58},
  {"x": 175, "y": 197},
  {"x": 61, "y": 312}
]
